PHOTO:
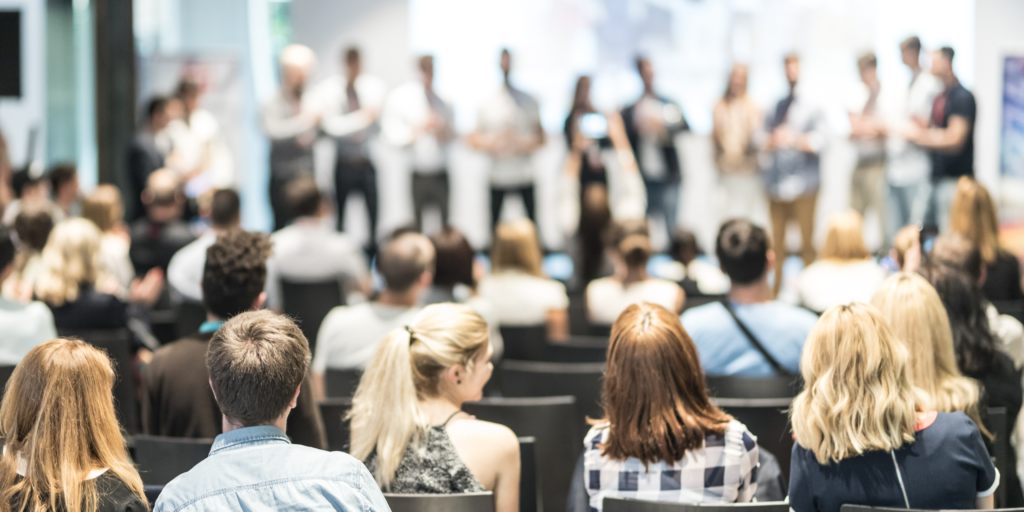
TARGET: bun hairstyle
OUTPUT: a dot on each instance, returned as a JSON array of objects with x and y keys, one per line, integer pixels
[{"x": 632, "y": 241}]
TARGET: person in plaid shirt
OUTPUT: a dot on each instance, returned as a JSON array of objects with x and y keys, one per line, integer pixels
[{"x": 661, "y": 438}]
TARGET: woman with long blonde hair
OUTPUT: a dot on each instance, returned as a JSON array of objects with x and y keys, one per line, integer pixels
[
  {"x": 973, "y": 215},
  {"x": 63, "y": 448},
  {"x": 105, "y": 209},
  {"x": 863, "y": 438},
  {"x": 845, "y": 271},
  {"x": 917, "y": 317},
  {"x": 407, "y": 424}
]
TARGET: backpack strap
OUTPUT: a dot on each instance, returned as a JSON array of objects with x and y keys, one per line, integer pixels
[{"x": 779, "y": 369}]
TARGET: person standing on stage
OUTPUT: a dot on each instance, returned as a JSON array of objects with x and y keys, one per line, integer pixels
[
  {"x": 200, "y": 156},
  {"x": 290, "y": 122},
  {"x": 417, "y": 119},
  {"x": 651, "y": 126},
  {"x": 736, "y": 121},
  {"x": 508, "y": 128},
  {"x": 949, "y": 138},
  {"x": 867, "y": 130},
  {"x": 792, "y": 174},
  {"x": 352, "y": 104}
]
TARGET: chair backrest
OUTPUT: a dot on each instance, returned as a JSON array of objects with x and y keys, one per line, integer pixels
[
  {"x": 117, "y": 343},
  {"x": 342, "y": 383},
  {"x": 189, "y": 315},
  {"x": 999, "y": 425},
  {"x": 468, "y": 502},
  {"x": 531, "y": 378},
  {"x": 525, "y": 343},
  {"x": 528, "y": 496},
  {"x": 161, "y": 459},
  {"x": 5, "y": 375},
  {"x": 766, "y": 418},
  {"x": 1014, "y": 308},
  {"x": 630, "y": 505},
  {"x": 578, "y": 349},
  {"x": 696, "y": 301},
  {"x": 557, "y": 428},
  {"x": 754, "y": 387},
  {"x": 152, "y": 493},
  {"x": 309, "y": 303},
  {"x": 333, "y": 412},
  {"x": 866, "y": 508}
]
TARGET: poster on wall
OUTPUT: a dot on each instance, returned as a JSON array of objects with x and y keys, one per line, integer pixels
[{"x": 1011, "y": 153}]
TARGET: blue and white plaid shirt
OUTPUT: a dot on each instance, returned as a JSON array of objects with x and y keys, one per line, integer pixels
[{"x": 723, "y": 471}]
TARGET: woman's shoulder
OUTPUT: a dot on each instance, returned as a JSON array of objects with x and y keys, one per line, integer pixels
[
  {"x": 950, "y": 424},
  {"x": 117, "y": 496},
  {"x": 736, "y": 433},
  {"x": 497, "y": 436}
]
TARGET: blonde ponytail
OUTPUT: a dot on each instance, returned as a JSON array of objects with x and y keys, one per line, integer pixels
[{"x": 407, "y": 367}]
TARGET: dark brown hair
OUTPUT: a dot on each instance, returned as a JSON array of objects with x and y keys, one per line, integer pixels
[
  {"x": 33, "y": 225},
  {"x": 225, "y": 208},
  {"x": 303, "y": 197},
  {"x": 256, "y": 362},
  {"x": 454, "y": 255},
  {"x": 631, "y": 239},
  {"x": 654, "y": 394},
  {"x": 959, "y": 252},
  {"x": 235, "y": 272}
]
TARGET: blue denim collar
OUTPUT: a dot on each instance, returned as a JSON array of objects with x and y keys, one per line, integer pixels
[{"x": 248, "y": 436}]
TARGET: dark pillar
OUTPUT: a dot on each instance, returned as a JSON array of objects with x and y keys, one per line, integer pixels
[{"x": 115, "y": 90}]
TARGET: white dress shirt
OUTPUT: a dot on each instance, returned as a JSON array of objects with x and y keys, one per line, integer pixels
[
  {"x": 350, "y": 335},
  {"x": 185, "y": 271},
  {"x": 906, "y": 162},
  {"x": 331, "y": 97},
  {"x": 510, "y": 113},
  {"x": 193, "y": 143},
  {"x": 407, "y": 109}
]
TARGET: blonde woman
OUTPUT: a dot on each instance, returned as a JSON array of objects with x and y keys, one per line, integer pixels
[
  {"x": 917, "y": 317},
  {"x": 517, "y": 288},
  {"x": 407, "y": 425},
  {"x": 862, "y": 437},
  {"x": 105, "y": 209},
  {"x": 845, "y": 271},
  {"x": 63, "y": 448},
  {"x": 973, "y": 215}
]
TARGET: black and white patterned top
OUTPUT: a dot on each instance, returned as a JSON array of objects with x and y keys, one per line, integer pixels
[{"x": 435, "y": 469}]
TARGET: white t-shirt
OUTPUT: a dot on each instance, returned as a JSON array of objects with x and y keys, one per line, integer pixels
[
  {"x": 185, "y": 271},
  {"x": 309, "y": 250},
  {"x": 23, "y": 326},
  {"x": 510, "y": 113},
  {"x": 608, "y": 297},
  {"x": 827, "y": 283},
  {"x": 350, "y": 335},
  {"x": 405, "y": 111},
  {"x": 908, "y": 163},
  {"x": 521, "y": 299}
]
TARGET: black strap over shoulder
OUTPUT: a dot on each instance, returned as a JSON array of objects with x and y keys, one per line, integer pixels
[{"x": 779, "y": 369}]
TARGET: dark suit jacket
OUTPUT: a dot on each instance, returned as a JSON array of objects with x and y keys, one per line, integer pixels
[
  {"x": 143, "y": 159},
  {"x": 668, "y": 150},
  {"x": 92, "y": 310}
]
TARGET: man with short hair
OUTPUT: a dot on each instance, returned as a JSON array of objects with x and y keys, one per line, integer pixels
[
  {"x": 349, "y": 335},
  {"x": 185, "y": 271},
  {"x": 24, "y": 325},
  {"x": 949, "y": 137},
  {"x": 145, "y": 154},
  {"x": 310, "y": 251},
  {"x": 157, "y": 237},
  {"x": 867, "y": 190},
  {"x": 66, "y": 191},
  {"x": 257, "y": 362},
  {"x": 177, "y": 401},
  {"x": 718, "y": 328}
]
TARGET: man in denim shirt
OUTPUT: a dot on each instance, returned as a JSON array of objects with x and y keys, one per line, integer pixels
[{"x": 257, "y": 361}]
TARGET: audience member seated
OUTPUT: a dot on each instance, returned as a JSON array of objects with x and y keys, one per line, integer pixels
[
  {"x": 310, "y": 250},
  {"x": 845, "y": 272},
  {"x": 349, "y": 335},
  {"x": 31, "y": 191},
  {"x": 906, "y": 245},
  {"x": 780, "y": 329},
  {"x": 659, "y": 422},
  {"x": 407, "y": 426},
  {"x": 257, "y": 362},
  {"x": 698, "y": 277},
  {"x": 959, "y": 252},
  {"x": 79, "y": 291},
  {"x": 105, "y": 209},
  {"x": 155, "y": 238},
  {"x": 517, "y": 288},
  {"x": 177, "y": 400},
  {"x": 630, "y": 247},
  {"x": 455, "y": 278},
  {"x": 973, "y": 215},
  {"x": 185, "y": 271},
  {"x": 63, "y": 444},
  {"x": 917, "y": 318},
  {"x": 66, "y": 192},
  {"x": 32, "y": 227},
  {"x": 863, "y": 439},
  {"x": 23, "y": 325}
]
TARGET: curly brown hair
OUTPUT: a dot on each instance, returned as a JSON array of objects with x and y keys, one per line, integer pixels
[{"x": 235, "y": 272}]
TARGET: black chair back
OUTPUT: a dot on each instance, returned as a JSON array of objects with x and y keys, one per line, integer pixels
[
  {"x": 766, "y": 418},
  {"x": 630, "y": 505},
  {"x": 152, "y": 493},
  {"x": 333, "y": 412},
  {"x": 999, "y": 425},
  {"x": 696, "y": 301},
  {"x": 528, "y": 475},
  {"x": 117, "y": 343},
  {"x": 308, "y": 303},
  {"x": 5, "y": 375},
  {"x": 342, "y": 383},
  {"x": 468, "y": 502},
  {"x": 557, "y": 428},
  {"x": 1014, "y": 308},
  {"x": 524, "y": 343},
  {"x": 578, "y": 349},
  {"x": 865, "y": 508},
  {"x": 161, "y": 459},
  {"x": 581, "y": 380},
  {"x": 754, "y": 387},
  {"x": 189, "y": 315}
]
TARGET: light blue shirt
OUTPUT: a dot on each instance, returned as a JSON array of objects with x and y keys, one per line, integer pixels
[
  {"x": 257, "y": 469},
  {"x": 724, "y": 349}
]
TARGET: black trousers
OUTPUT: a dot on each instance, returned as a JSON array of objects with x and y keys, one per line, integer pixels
[
  {"x": 358, "y": 177},
  {"x": 430, "y": 189},
  {"x": 498, "y": 200}
]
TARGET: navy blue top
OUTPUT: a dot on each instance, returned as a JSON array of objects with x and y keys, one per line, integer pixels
[{"x": 947, "y": 467}]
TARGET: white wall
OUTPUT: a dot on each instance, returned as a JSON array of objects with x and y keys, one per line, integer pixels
[{"x": 18, "y": 116}]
